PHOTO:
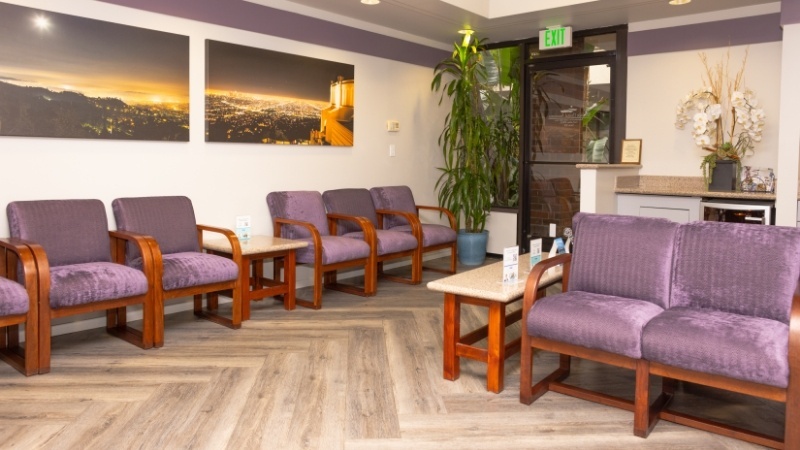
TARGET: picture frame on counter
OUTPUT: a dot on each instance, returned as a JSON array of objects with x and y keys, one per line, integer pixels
[{"x": 631, "y": 151}]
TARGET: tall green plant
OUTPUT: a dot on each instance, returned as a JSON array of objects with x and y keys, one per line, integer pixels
[
  {"x": 465, "y": 184},
  {"x": 503, "y": 114}
]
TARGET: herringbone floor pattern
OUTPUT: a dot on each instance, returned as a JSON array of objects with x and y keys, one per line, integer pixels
[{"x": 362, "y": 373}]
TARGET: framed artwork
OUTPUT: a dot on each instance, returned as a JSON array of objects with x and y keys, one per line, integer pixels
[
  {"x": 65, "y": 76},
  {"x": 262, "y": 96},
  {"x": 631, "y": 151}
]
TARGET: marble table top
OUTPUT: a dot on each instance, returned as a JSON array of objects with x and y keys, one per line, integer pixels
[
  {"x": 487, "y": 282},
  {"x": 256, "y": 244}
]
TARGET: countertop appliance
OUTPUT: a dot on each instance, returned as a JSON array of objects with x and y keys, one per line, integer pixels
[{"x": 737, "y": 210}]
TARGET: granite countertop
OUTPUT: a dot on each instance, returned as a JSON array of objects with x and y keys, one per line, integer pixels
[{"x": 679, "y": 186}]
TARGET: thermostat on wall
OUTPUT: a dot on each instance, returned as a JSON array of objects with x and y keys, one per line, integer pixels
[{"x": 392, "y": 125}]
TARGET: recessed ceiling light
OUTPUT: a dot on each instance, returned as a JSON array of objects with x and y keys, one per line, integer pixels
[
  {"x": 370, "y": 2},
  {"x": 679, "y": 2}
]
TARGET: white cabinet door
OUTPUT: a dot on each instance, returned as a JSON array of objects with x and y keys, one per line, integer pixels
[{"x": 676, "y": 209}]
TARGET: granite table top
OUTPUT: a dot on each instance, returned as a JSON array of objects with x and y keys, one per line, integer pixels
[
  {"x": 254, "y": 245},
  {"x": 486, "y": 282}
]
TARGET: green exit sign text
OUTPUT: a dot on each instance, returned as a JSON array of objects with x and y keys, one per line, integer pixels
[{"x": 557, "y": 37}]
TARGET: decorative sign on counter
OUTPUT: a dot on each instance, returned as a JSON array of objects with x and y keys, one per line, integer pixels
[
  {"x": 510, "y": 264},
  {"x": 631, "y": 151},
  {"x": 536, "y": 251}
]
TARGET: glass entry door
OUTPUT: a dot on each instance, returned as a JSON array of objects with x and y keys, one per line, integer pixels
[{"x": 567, "y": 121}]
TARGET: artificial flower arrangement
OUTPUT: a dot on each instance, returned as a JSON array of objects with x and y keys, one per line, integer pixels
[{"x": 725, "y": 117}]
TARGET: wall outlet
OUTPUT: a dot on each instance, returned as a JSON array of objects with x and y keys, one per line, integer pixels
[{"x": 552, "y": 230}]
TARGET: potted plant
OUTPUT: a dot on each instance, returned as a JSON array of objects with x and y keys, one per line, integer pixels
[
  {"x": 715, "y": 112},
  {"x": 465, "y": 184}
]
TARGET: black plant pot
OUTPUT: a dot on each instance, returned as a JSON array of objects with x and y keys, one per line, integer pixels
[{"x": 723, "y": 177}]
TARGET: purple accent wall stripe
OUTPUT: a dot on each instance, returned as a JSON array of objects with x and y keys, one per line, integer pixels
[
  {"x": 744, "y": 31},
  {"x": 275, "y": 22},
  {"x": 790, "y": 12}
]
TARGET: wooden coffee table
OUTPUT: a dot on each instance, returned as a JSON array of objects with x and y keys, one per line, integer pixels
[
  {"x": 255, "y": 285},
  {"x": 483, "y": 287}
]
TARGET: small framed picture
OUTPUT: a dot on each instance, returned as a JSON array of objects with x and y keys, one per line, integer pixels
[{"x": 631, "y": 152}]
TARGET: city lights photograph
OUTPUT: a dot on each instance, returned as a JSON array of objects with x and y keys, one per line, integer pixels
[
  {"x": 70, "y": 77},
  {"x": 261, "y": 96}
]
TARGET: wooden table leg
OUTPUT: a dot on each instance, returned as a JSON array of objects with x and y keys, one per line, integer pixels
[
  {"x": 246, "y": 285},
  {"x": 496, "y": 344},
  {"x": 452, "y": 333},
  {"x": 289, "y": 279}
]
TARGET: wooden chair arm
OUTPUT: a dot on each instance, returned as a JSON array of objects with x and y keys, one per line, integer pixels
[
  {"x": 236, "y": 248},
  {"x": 793, "y": 390},
  {"x": 445, "y": 211},
  {"x": 315, "y": 236},
  {"x": 148, "y": 248},
  {"x": 18, "y": 251},
  {"x": 413, "y": 221},
  {"x": 366, "y": 226},
  {"x": 532, "y": 284}
]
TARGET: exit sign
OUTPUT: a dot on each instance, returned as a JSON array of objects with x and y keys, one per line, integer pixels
[{"x": 557, "y": 37}]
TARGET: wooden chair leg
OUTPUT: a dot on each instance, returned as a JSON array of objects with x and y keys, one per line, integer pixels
[
  {"x": 641, "y": 408},
  {"x": 44, "y": 343},
  {"x": 791, "y": 437},
  {"x": 525, "y": 371}
]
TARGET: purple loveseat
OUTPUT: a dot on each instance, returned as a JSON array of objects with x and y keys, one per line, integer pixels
[{"x": 705, "y": 302}]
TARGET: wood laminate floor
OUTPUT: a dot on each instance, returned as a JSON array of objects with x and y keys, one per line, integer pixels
[{"x": 362, "y": 373}]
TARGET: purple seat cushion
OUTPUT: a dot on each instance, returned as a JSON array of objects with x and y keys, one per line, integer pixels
[
  {"x": 742, "y": 347},
  {"x": 432, "y": 234},
  {"x": 169, "y": 220},
  {"x": 13, "y": 298},
  {"x": 70, "y": 231},
  {"x": 389, "y": 241},
  {"x": 188, "y": 269},
  {"x": 79, "y": 284},
  {"x": 306, "y": 206},
  {"x": 623, "y": 256},
  {"x": 595, "y": 321},
  {"x": 334, "y": 249},
  {"x": 350, "y": 202},
  {"x": 738, "y": 268},
  {"x": 395, "y": 198}
]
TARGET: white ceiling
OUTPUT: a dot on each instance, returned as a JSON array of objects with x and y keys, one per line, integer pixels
[{"x": 436, "y": 23}]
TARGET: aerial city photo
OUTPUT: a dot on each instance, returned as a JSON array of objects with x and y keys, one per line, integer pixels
[
  {"x": 260, "y": 96},
  {"x": 72, "y": 77}
]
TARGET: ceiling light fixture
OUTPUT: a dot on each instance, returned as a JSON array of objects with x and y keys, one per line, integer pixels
[
  {"x": 370, "y": 2},
  {"x": 679, "y": 2},
  {"x": 467, "y": 36}
]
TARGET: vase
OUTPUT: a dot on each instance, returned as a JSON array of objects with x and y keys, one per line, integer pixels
[
  {"x": 723, "y": 176},
  {"x": 472, "y": 247}
]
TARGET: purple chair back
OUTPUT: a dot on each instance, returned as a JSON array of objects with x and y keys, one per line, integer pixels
[
  {"x": 351, "y": 202},
  {"x": 298, "y": 205},
  {"x": 623, "y": 256},
  {"x": 396, "y": 198},
  {"x": 169, "y": 220},
  {"x": 711, "y": 256},
  {"x": 69, "y": 231}
]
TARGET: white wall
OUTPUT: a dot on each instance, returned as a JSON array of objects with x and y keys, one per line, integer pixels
[
  {"x": 226, "y": 180},
  {"x": 657, "y": 82}
]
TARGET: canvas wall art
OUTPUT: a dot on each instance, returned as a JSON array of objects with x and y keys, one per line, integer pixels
[
  {"x": 261, "y": 96},
  {"x": 70, "y": 77}
]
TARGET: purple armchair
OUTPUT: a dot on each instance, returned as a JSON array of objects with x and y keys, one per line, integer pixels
[
  {"x": 181, "y": 268},
  {"x": 389, "y": 244},
  {"x": 19, "y": 305},
  {"x": 301, "y": 215},
  {"x": 80, "y": 267},
  {"x": 389, "y": 200}
]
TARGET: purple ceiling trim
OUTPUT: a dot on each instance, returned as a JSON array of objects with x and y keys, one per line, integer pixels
[
  {"x": 265, "y": 20},
  {"x": 724, "y": 33},
  {"x": 790, "y": 12}
]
